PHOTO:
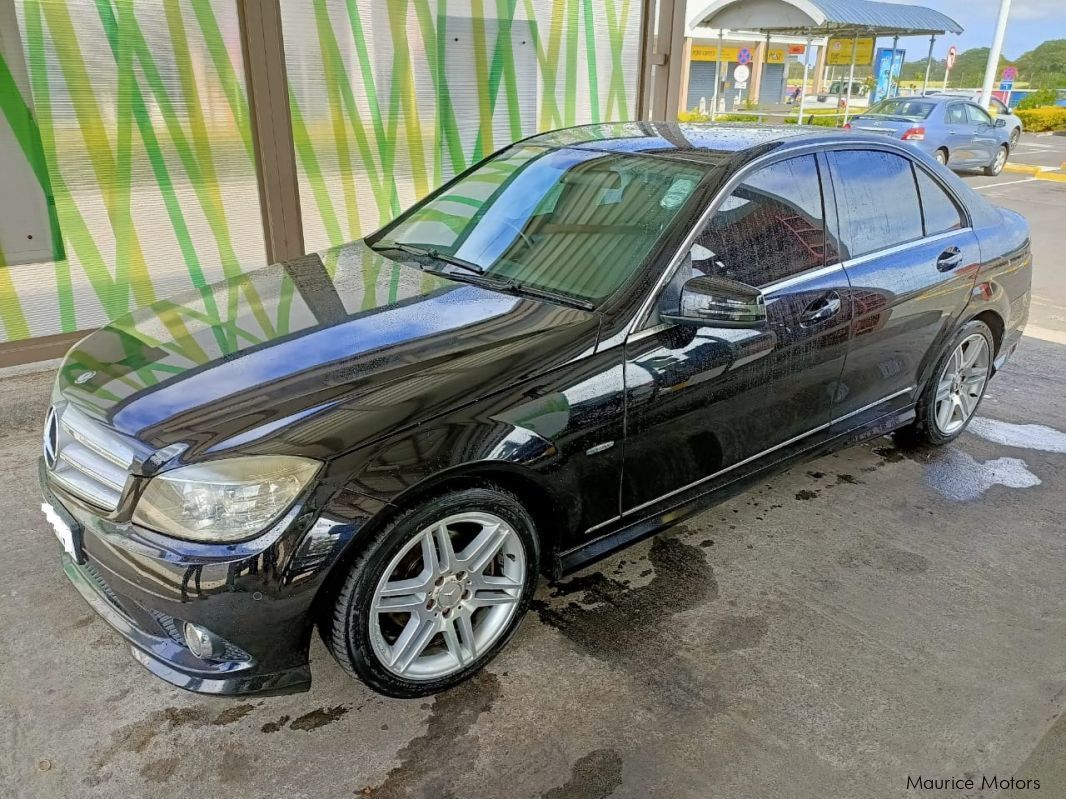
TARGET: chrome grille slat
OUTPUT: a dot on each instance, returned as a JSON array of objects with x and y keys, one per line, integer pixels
[{"x": 90, "y": 461}]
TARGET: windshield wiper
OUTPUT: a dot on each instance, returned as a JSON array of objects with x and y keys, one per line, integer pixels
[
  {"x": 429, "y": 252},
  {"x": 514, "y": 287}
]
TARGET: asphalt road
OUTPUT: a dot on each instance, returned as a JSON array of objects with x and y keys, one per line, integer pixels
[
  {"x": 875, "y": 615},
  {"x": 1042, "y": 199}
]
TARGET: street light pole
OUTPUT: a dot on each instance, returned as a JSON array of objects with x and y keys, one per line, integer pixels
[{"x": 993, "y": 56}]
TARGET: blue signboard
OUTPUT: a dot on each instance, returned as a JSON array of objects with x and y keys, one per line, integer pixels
[
  {"x": 887, "y": 66},
  {"x": 1006, "y": 85}
]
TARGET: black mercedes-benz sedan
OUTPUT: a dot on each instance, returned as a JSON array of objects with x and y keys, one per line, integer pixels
[{"x": 575, "y": 343}]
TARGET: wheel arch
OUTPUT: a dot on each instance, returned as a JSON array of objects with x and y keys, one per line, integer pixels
[
  {"x": 538, "y": 498},
  {"x": 995, "y": 323}
]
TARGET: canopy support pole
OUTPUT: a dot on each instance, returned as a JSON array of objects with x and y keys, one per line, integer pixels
[
  {"x": 717, "y": 76},
  {"x": 893, "y": 87},
  {"x": 803, "y": 86},
  {"x": 765, "y": 63},
  {"x": 851, "y": 77},
  {"x": 928, "y": 63}
]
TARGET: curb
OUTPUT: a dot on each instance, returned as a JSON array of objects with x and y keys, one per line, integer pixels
[{"x": 1024, "y": 169}]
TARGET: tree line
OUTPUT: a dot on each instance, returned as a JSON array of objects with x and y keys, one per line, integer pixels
[{"x": 1043, "y": 67}]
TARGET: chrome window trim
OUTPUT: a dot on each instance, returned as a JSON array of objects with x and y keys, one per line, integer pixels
[
  {"x": 751, "y": 458},
  {"x": 898, "y": 248}
]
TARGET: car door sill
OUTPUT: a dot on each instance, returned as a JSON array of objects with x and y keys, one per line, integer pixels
[{"x": 633, "y": 529}]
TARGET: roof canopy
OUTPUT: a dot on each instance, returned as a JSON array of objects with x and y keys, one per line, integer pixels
[{"x": 825, "y": 18}]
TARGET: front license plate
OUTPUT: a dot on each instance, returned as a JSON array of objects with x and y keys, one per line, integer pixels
[{"x": 63, "y": 531}]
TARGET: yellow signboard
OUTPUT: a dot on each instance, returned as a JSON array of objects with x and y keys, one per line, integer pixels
[
  {"x": 839, "y": 52},
  {"x": 709, "y": 52}
]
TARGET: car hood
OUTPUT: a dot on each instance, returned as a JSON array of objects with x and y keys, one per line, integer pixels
[{"x": 314, "y": 357}]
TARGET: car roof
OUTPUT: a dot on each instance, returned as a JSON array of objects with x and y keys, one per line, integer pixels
[
  {"x": 937, "y": 99},
  {"x": 695, "y": 141}
]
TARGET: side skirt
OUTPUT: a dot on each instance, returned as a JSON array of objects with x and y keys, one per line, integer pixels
[{"x": 629, "y": 531}]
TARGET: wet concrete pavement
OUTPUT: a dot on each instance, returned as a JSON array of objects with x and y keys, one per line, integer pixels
[{"x": 874, "y": 615}]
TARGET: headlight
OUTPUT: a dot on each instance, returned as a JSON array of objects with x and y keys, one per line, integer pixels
[{"x": 226, "y": 500}]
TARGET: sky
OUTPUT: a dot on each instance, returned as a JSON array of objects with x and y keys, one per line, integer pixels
[{"x": 1030, "y": 23}]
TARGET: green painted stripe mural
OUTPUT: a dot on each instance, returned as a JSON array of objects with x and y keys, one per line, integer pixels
[
  {"x": 142, "y": 113},
  {"x": 389, "y": 99},
  {"x": 143, "y": 125}
]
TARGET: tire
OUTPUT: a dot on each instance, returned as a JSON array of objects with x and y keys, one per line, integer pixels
[
  {"x": 1014, "y": 136},
  {"x": 929, "y": 426},
  {"x": 458, "y": 624},
  {"x": 941, "y": 156},
  {"x": 998, "y": 162}
]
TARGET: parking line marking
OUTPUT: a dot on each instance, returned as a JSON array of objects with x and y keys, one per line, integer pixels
[{"x": 1008, "y": 183}]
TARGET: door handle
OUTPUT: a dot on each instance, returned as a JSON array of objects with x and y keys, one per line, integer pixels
[
  {"x": 949, "y": 259},
  {"x": 823, "y": 308}
]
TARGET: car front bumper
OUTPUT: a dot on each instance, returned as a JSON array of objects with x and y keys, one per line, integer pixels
[{"x": 259, "y": 602}]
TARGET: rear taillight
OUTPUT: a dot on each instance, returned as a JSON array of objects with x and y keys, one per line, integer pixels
[{"x": 914, "y": 134}]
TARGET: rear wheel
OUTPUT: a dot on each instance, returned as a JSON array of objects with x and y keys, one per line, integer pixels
[
  {"x": 998, "y": 162},
  {"x": 941, "y": 156},
  {"x": 952, "y": 397},
  {"x": 436, "y": 595}
]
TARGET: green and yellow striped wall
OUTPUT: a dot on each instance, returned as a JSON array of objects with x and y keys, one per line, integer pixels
[{"x": 140, "y": 111}]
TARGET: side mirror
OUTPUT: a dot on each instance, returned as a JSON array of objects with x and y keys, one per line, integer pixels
[
  {"x": 1000, "y": 122},
  {"x": 718, "y": 302}
]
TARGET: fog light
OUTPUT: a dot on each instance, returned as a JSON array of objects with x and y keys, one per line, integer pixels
[{"x": 202, "y": 642}]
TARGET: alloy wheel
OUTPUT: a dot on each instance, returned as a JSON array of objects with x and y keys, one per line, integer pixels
[
  {"x": 941, "y": 157},
  {"x": 1001, "y": 160},
  {"x": 447, "y": 596},
  {"x": 961, "y": 384}
]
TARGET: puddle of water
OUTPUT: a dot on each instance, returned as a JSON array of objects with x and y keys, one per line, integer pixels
[
  {"x": 956, "y": 475},
  {"x": 1027, "y": 436}
]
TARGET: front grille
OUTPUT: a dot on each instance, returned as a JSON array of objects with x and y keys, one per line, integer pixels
[{"x": 85, "y": 458}]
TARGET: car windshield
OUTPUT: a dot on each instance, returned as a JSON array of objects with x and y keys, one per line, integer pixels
[
  {"x": 571, "y": 221},
  {"x": 901, "y": 107}
]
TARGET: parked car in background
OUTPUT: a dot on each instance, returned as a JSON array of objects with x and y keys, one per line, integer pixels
[
  {"x": 997, "y": 109},
  {"x": 860, "y": 93},
  {"x": 587, "y": 337},
  {"x": 955, "y": 131}
]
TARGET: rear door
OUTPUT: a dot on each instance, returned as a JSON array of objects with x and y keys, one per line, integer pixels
[
  {"x": 911, "y": 258},
  {"x": 702, "y": 400}
]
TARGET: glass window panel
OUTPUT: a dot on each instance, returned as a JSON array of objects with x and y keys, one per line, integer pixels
[{"x": 877, "y": 200}]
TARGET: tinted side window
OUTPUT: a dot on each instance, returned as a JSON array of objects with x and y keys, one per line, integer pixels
[
  {"x": 978, "y": 116},
  {"x": 877, "y": 200},
  {"x": 956, "y": 114},
  {"x": 771, "y": 226},
  {"x": 941, "y": 213}
]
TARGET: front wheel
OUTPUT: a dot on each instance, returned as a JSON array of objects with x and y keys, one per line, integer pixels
[
  {"x": 1014, "y": 136},
  {"x": 951, "y": 398},
  {"x": 998, "y": 162},
  {"x": 941, "y": 156},
  {"x": 436, "y": 594}
]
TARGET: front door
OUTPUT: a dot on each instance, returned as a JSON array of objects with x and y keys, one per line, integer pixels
[
  {"x": 701, "y": 400},
  {"x": 986, "y": 143},
  {"x": 961, "y": 132},
  {"x": 911, "y": 259}
]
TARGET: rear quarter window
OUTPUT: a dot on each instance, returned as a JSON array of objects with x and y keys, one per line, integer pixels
[{"x": 938, "y": 208}]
